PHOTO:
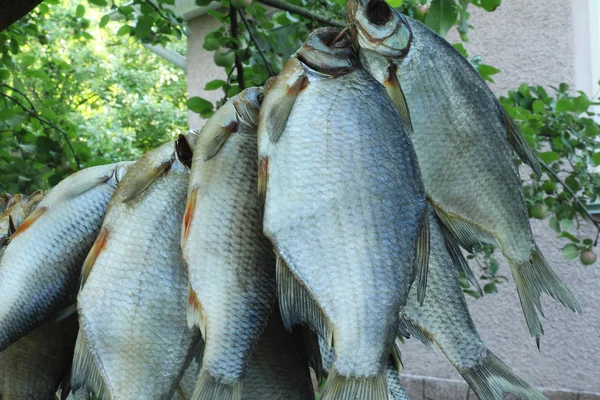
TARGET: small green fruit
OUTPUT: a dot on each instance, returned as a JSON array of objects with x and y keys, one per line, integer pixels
[
  {"x": 422, "y": 10},
  {"x": 539, "y": 211},
  {"x": 587, "y": 257},
  {"x": 224, "y": 57},
  {"x": 241, "y": 3}
]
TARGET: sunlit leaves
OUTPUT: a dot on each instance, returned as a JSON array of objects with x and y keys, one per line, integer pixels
[{"x": 442, "y": 16}]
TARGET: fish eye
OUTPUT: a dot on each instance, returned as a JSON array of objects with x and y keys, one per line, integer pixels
[{"x": 378, "y": 12}]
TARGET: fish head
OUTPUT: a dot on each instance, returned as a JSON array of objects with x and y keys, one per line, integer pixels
[
  {"x": 328, "y": 51},
  {"x": 377, "y": 27},
  {"x": 247, "y": 106}
]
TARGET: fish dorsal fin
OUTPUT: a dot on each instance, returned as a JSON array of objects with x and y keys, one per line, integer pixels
[
  {"x": 395, "y": 92},
  {"x": 421, "y": 261},
  {"x": 281, "y": 97},
  {"x": 519, "y": 144},
  {"x": 145, "y": 179},
  {"x": 214, "y": 141}
]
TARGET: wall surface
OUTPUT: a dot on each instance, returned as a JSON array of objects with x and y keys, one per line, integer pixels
[{"x": 531, "y": 41}]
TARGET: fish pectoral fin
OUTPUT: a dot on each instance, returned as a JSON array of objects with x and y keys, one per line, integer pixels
[
  {"x": 281, "y": 97},
  {"x": 310, "y": 342},
  {"x": 396, "y": 94},
  {"x": 519, "y": 144},
  {"x": 490, "y": 378},
  {"x": 533, "y": 278},
  {"x": 297, "y": 305},
  {"x": 195, "y": 313},
  {"x": 90, "y": 260},
  {"x": 209, "y": 388},
  {"x": 143, "y": 181},
  {"x": 421, "y": 261},
  {"x": 263, "y": 180},
  {"x": 86, "y": 372},
  {"x": 458, "y": 260},
  {"x": 396, "y": 357},
  {"x": 211, "y": 142},
  {"x": 466, "y": 233},
  {"x": 340, "y": 387},
  {"x": 407, "y": 328}
]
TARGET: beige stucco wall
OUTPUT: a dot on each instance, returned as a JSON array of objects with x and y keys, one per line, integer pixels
[{"x": 531, "y": 41}]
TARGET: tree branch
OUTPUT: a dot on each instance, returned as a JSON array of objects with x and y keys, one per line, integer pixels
[
  {"x": 234, "y": 34},
  {"x": 253, "y": 38},
  {"x": 302, "y": 12},
  {"x": 43, "y": 120},
  {"x": 570, "y": 191}
]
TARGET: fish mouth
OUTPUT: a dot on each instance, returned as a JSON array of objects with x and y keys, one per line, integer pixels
[
  {"x": 247, "y": 107},
  {"x": 375, "y": 26},
  {"x": 328, "y": 51}
]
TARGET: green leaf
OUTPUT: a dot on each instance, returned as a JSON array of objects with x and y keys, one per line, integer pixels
[
  {"x": 569, "y": 236},
  {"x": 80, "y": 11},
  {"x": 143, "y": 26},
  {"x": 539, "y": 107},
  {"x": 564, "y": 105},
  {"x": 27, "y": 59},
  {"x": 570, "y": 251},
  {"x": 573, "y": 183},
  {"x": 203, "y": 3},
  {"x": 581, "y": 103},
  {"x": 490, "y": 288},
  {"x": 588, "y": 242},
  {"x": 563, "y": 88},
  {"x": 104, "y": 21},
  {"x": 395, "y": 3},
  {"x": 596, "y": 158},
  {"x": 566, "y": 223},
  {"x": 461, "y": 49},
  {"x": 486, "y": 71},
  {"x": 472, "y": 293},
  {"x": 490, "y": 5},
  {"x": 199, "y": 105},
  {"x": 214, "y": 85},
  {"x": 548, "y": 156},
  {"x": 101, "y": 3},
  {"x": 441, "y": 16},
  {"x": 554, "y": 224},
  {"x": 124, "y": 30}
]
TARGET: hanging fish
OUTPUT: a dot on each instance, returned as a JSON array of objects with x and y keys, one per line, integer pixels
[
  {"x": 40, "y": 267},
  {"x": 444, "y": 319},
  {"x": 463, "y": 138},
  {"x": 231, "y": 265},
  {"x": 133, "y": 340},
  {"x": 344, "y": 207}
]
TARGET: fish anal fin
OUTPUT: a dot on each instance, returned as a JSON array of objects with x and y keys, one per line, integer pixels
[
  {"x": 209, "y": 388},
  {"x": 341, "y": 387},
  {"x": 421, "y": 261},
  {"x": 34, "y": 216},
  {"x": 395, "y": 92},
  {"x": 519, "y": 144},
  {"x": 281, "y": 97},
  {"x": 97, "y": 248},
  {"x": 144, "y": 181},
  {"x": 263, "y": 179},
  {"x": 490, "y": 378},
  {"x": 297, "y": 305},
  {"x": 188, "y": 216},
  {"x": 86, "y": 372},
  {"x": 533, "y": 278},
  {"x": 195, "y": 314}
]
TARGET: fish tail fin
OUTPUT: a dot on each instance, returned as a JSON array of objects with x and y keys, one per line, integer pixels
[
  {"x": 209, "y": 388},
  {"x": 491, "y": 379},
  {"x": 533, "y": 278},
  {"x": 85, "y": 372},
  {"x": 339, "y": 387}
]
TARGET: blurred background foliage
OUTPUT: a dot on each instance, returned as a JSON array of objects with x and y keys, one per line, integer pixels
[{"x": 77, "y": 88}]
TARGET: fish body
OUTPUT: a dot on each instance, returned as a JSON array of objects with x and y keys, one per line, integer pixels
[
  {"x": 230, "y": 263},
  {"x": 40, "y": 267},
  {"x": 33, "y": 367},
  {"x": 463, "y": 138},
  {"x": 133, "y": 340},
  {"x": 343, "y": 206},
  {"x": 444, "y": 319},
  {"x": 278, "y": 369}
]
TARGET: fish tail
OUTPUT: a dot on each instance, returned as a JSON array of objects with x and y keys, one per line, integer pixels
[
  {"x": 85, "y": 372},
  {"x": 533, "y": 278},
  {"x": 491, "y": 379},
  {"x": 209, "y": 388},
  {"x": 339, "y": 387}
]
